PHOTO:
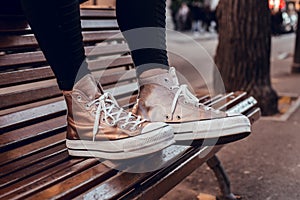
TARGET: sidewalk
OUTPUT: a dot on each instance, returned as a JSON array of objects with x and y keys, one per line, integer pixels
[{"x": 266, "y": 165}]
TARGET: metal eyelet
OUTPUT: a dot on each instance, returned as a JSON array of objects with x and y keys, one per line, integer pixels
[
  {"x": 87, "y": 107},
  {"x": 166, "y": 80},
  {"x": 167, "y": 117},
  {"x": 178, "y": 117},
  {"x": 123, "y": 126},
  {"x": 112, "y": 123},
  {"x": 79, "y": 98},
  {"x": 185, "y": 102}
]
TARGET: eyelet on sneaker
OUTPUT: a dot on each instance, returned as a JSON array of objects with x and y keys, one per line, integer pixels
[
  {"x": 185, "y": 102},
  {"x": 87, "y": 107},
  {"x": 79, "y": 98},
  {"x": 123, "y": 126},
  {"x": 178, "y": 117},
  {"x": 132, "y": 129},
  {"x": 166, "y": 80},
  {"x": 167, "y": 117}
]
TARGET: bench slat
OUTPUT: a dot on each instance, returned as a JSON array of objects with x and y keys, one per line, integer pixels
[
  {"x": 20, "y": 25},
  {"x": 37, "y": 57},
  {"x": 28, "y": 41},
  {"x": 41, "y": 73},
  {"x": 167, "y": 179},
  {"x": 25, "y": 151},
  {"x": 28, "y": 115},
  {"x": 126, "y": 181},
  {"x": 46, "y": 177},
  {"x": 70, "y": 187},
  {"x": 45, "y": 89},
  {"x": 95, "y": 13},
  {"x": 13, "y": 168},
  {"x": 88, "y": 24},
  {"x": 38, "y": 167}
]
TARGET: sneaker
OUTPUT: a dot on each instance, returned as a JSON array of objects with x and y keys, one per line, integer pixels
[
  {"x": 98, "y": 127},
  {"x": 162, "y": 99}
]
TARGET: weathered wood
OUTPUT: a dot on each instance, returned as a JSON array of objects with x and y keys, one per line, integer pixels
[
  {"x": 37, "y": 57},
  {"x": 11, "y": 42}
]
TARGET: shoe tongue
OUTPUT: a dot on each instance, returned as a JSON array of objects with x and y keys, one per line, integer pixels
[{"x": 89, "y": 87}]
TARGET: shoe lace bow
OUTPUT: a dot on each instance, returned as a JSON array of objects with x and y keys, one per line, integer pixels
[
  {"x": 113, "y": 114},
  {"x": 183, "y": 91}
]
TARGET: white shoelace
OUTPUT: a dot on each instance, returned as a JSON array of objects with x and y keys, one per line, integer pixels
[
  {"x": 183, "y": 91},
  {"x": 106, "y": 103}
]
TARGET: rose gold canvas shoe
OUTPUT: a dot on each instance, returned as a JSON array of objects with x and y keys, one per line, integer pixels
[
  {"x": 98, "y": 127},
  {"x": 162, "y": 99}
]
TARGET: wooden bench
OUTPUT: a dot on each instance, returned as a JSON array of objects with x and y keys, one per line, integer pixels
[{"x": 34, "y": 162}]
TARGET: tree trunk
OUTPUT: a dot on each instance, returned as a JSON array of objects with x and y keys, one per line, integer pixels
[
  {"x": 243, "y": 53},
  {"x": 296, "y": 65}
]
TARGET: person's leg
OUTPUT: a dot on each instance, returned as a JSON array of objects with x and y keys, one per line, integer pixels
[
  {"x": 96, "y": 125},
  {"x": 56, "y": 25},
  {"x": 134, "y": 19},
  {"x": 161, "y": 97}
]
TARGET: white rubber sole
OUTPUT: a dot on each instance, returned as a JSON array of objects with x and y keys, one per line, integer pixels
[
  {"x": 123, "y": 148},
  {"x": 211, "y": 129}
]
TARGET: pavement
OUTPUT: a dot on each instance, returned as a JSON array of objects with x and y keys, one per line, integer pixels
[{"x": 266, "y": 165}]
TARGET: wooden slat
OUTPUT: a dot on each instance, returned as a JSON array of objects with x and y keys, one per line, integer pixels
[
  {"x": 28, "y": 132},
  {"x": 10, "y": 42},
  {"x": 25, "y": 75},
  {"x": 126, "y": 181},
  {"x": 233, "y": 101},
  {"x": 31, "y": 148},
  {"x": 88, "y": 24},
  {"x": 105, "y": 23},
  {"x": 38, "y": 57},
  {"x": 25, "y": 116},
  {"x": 13, "y": 24},
  {"x": 110, "y": 63},
  {"x": 29, "y": 106},
  {"x": 97, "y": 13},
  {"x": 46, "y": 177},
  {"x": 29, "y": 94},
  {"x": 221, "y": 100},
  {"x": 44, "y": 90},
  {"x": 164, "y": 181},
  {"x": 18, "y": 165},
  {"x": 108, "y": 78},
  {"x": 50, "y": 161},
  {"x": 36, "y": 74},
  {"x": 41, "y": 112},
  {"x": 77, "y": 184}
]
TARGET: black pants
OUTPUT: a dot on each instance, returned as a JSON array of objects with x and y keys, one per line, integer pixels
[{"x": 56, "y": 25}]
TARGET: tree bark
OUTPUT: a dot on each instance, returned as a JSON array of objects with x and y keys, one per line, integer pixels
[
  {"x": 296, "y": 64},
  {"x": 243, "y": 53}
]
